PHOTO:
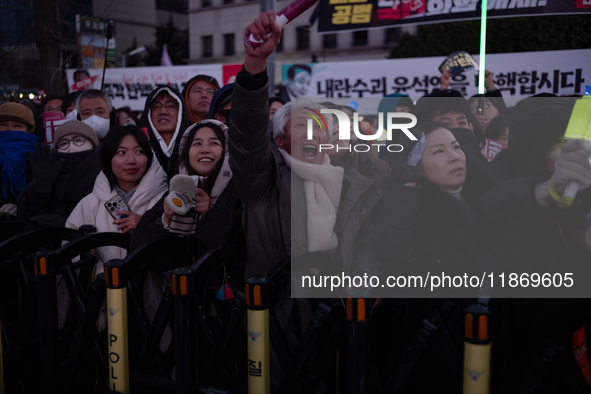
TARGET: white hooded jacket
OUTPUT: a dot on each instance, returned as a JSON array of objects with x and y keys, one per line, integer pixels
[{"x": 91, "y": 209}]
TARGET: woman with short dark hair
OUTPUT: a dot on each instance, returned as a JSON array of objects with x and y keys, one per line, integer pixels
[
  {"x": 428, "y": 223},
  {"x": 129, "y": 173}
]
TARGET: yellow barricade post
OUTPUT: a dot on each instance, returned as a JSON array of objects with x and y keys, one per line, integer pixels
[
  {"x": 116, "y": 283},
  {"x": 358, "y": 310},
  {"x": 182, "y": 290},
  {"x": 259, "y": 367},
  {"x": 477, "y": 347},
  {"x": 48, "y": 330}
]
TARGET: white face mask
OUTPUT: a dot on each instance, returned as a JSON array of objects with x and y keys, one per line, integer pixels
[
  {"x": 72, "y": 115},
  {"x": 99, "y": 125}
]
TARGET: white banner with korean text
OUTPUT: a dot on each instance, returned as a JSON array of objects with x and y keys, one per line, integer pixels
[
  {"x": 515, "y": 74},
  {"x": 129, "y": 87}
]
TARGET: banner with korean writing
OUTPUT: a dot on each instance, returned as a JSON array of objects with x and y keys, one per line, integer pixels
[
  {"x": 491, "y": 148},
  {"x": 129, "y": 87},
  {"x": 51, "y": 122},
  {"x": 515, "y": 74},
  {"x": 346, "y": 15}
]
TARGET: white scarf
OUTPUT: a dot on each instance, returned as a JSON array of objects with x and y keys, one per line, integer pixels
[{"x": 322, "y": 188}]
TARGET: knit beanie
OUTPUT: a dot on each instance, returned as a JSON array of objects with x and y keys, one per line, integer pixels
[
  {"x": 76, "y": 127},
  {"x": 18, "y": 113}
]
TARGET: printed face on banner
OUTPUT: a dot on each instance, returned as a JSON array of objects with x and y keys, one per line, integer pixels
[{"x": 298, "y": 87}]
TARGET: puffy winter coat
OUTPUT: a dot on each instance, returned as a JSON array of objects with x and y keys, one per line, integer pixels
[
  {"x": 74, "y": 182},
  {"x": 91, "y": 210}
]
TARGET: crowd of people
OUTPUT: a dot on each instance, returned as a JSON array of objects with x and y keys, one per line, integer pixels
[{"x": 261, "y": 188}]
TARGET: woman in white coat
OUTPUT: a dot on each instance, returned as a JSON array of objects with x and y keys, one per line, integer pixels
[{"x": 129, "y": 170}]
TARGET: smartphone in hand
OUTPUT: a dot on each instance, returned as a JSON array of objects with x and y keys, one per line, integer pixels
[{"x": 116, "y": 204}]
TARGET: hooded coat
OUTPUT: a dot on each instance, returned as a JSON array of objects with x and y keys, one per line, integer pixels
[
  {"x": 201, "y": 77},
  {"x": 92, "y": 210},
  {"x": 167, "y": 155},
  {"x": 221, "y": 225}
]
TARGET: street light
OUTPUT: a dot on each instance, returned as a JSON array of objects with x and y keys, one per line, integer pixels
[{"x": 136, "y": 51}]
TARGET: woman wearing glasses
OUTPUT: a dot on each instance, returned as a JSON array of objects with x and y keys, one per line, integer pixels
[{"x": 62, "y": 176}]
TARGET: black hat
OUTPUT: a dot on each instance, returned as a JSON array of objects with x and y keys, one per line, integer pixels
[
  {"x": 206, "y": 78},
  {"x": 220, "y": 98}
]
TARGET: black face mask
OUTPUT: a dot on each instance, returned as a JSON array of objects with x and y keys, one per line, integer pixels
[{"x": 226, "y": 114}]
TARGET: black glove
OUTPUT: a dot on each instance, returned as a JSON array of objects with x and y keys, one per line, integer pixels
[
  {"x": 49, "y": 220},
  {"x": 44, "y": 171},
  {"x": 402, "y": 172}
]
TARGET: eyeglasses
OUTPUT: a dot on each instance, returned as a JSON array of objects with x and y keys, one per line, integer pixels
[
  {"x": 78, "y": 141},
  {"x": 200, "y": 91},
  {"x": 485, "y": 105},
  {"x": 55, "y": 110},
  {"x": 169, "y": 105}
]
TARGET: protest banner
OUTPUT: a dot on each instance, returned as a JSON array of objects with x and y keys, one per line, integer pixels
[
  {"x": 349, "y": 15},
  {"x": 515, "y": 75},
  {"x": 129, "y": 87},
  {"x": 51, "y": 122}
]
